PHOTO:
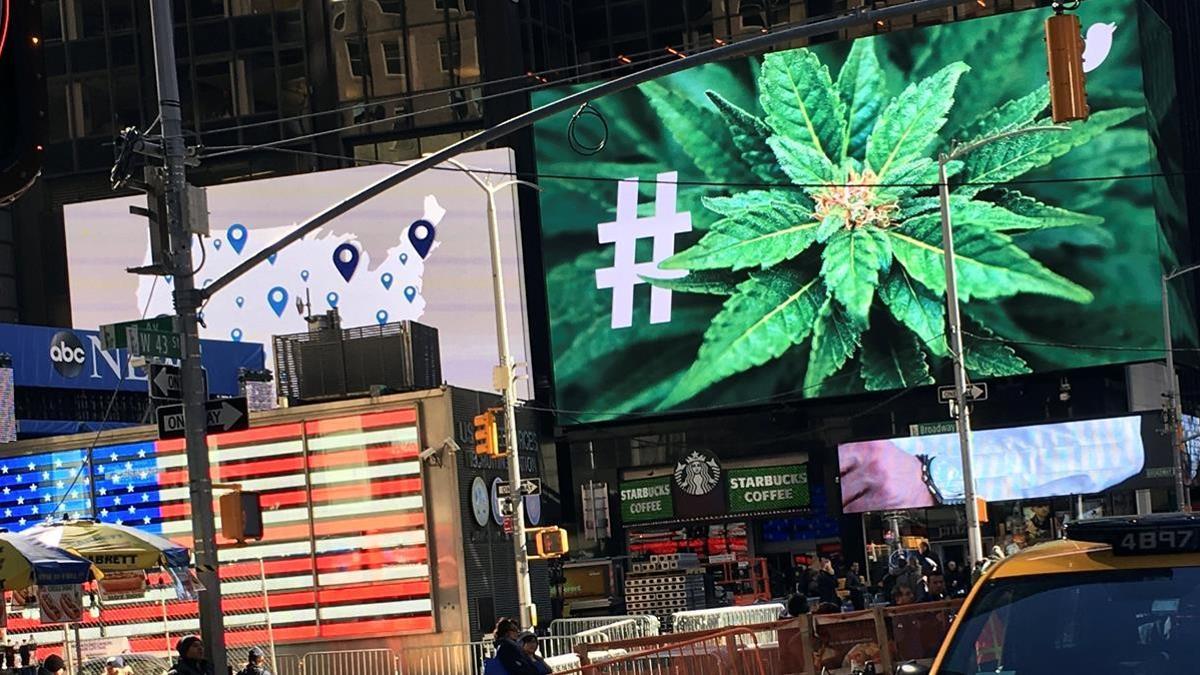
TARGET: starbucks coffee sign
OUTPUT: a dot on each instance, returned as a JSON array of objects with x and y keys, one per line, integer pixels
[
  {"x": 646, "y": 499},
  {"x": 768, "y": 488},
  {"x": 699, "y": 486}
]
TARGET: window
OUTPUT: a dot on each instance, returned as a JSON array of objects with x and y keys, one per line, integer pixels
[
  {"x": 393, "y": 57},
  {"x": 355, "y": 50},
  {"x": 443, "y": 5},
  {"x": 450, "y": 50},
  {"x": 391, "y": 6},
  {"x": 1141, "y": 619}
]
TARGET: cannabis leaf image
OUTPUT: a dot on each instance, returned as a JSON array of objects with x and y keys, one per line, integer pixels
[{"x": 838, "y": 258}]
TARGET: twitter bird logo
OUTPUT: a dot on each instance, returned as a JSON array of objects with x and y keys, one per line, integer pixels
[{"x": 1097, "y": 45}]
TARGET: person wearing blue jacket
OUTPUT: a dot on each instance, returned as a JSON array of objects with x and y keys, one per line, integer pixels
[{"x": 510, "y": 659}]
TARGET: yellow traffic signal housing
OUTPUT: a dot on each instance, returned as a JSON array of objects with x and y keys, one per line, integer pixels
[
  {"x": 487, "y": 437},
  {"x": 1064, "y": 54},
  {"x": 551, "y": 542},
  {"x": 241, "y": 516}
]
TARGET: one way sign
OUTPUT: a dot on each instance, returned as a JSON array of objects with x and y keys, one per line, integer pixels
[
  {"x": 529, "y": 487},
  {"x": 165, "y": 382},
  {"x": 975, "y": 392},
  {"x": 226, "y": 414}
]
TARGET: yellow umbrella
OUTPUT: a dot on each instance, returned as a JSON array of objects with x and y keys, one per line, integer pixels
[
  {"x": 25, "y": 561},
  {"x": 112, "y": 547}
]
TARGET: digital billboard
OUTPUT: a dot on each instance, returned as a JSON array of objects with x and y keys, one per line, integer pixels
[
  {"x": 769, "y": 226},
  {"x": 1031, "y": 462},
  {"x": 345, "y": 552},
  {"x": 417, "y": 252}
]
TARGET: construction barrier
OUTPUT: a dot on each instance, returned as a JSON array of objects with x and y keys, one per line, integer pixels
[
  {"x": 728, "y": 652},
  {"x": 838, "y": 644}
]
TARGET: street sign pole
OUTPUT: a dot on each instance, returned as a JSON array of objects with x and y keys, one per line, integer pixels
[{"x": 204, "y": 536}]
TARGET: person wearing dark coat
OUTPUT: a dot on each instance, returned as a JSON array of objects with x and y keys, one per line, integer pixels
[
  {"x": 509, "y": 652},
  {"x": 51, "y": 665},
  {"x": 529, "y": 645},
  {"x": 191, "y": 658},
  {"x": 827, "y": 584},
  {"x": 254, "y": 663}
]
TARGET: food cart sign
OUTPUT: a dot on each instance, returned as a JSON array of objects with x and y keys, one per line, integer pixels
[
  {"x": 647, "y": 499},
  {"x": 768, "y": 488},
  {"x": 60, "y": 603}
]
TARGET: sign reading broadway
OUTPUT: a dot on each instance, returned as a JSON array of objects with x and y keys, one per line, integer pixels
[{"x": 769, "y": 226}]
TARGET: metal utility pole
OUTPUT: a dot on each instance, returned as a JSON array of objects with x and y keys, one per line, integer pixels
[
  {"x": 187, "y": 300},
  {"x": 503, "y": 380},
  {"x": 962, "y": 402},
  {"x": 1173, "y": 402}
]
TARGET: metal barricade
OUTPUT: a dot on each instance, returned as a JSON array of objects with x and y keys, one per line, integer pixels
[
  {"x": 725, "y": 617},
  {"x": 648, "y": 625},
  {"x": 462, "y": 658},
  {"x": 359, "y": 662},
  {"x": 726, "y": 652},
  {"x": 287, "y": 664}
]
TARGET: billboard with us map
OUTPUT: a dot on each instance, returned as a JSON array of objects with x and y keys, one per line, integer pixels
[{"x": 417, "y": 252}]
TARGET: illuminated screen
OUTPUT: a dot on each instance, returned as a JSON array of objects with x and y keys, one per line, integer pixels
[
  {"x": 769, "y": 227},
  {"x": 1046, "y": 460},
  {"x": 419, "y": 251},
  {"x": 344, "y": 544}
]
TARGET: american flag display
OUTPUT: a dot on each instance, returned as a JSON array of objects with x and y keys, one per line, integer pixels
[{"x": 344, "y": 546}]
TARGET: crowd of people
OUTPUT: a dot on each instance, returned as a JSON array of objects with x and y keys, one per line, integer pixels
[
  {"x": 191, "y": 661},
  {"x": 912, "y": 577}
]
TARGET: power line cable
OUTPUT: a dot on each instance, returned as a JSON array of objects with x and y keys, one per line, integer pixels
[
  {"x": 535, "y": 176},
  {"x": 401, "y": 98},
  {"x": 401, "y": 116}
]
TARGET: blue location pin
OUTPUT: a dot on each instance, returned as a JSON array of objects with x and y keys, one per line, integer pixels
[
  {"x": 332, "y": 299},
  {"x": 304, "y": 275},
  {"x": 345, "y": 259},
  {"x": 420, "y": 235},
  {"x": 381, "y": 316},
  {"x": 277, "y": 298},
  {"x": 271, "y": 258},
  {"x": 169, "y": 278},
  {"x": 239, "y": 300},
  {"x": 217, "y": 244},
  {"x": 410, "y": 292},
  {"x": 386, "y": 280},
  {"x": 237, "y": 236},
  {"x": 403, "y": 258},
  {"x": 236, "y": 334}
]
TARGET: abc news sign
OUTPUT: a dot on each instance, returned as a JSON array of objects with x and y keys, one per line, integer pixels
[{"x": 75, "y": 359}]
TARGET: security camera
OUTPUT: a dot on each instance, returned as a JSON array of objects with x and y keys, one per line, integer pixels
[{"x": 431, "y": 455}]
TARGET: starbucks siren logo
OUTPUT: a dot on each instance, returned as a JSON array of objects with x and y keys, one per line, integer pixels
[{"x": 697, "y": 474}]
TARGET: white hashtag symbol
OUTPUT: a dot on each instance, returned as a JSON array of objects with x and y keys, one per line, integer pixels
[{"x": 626, "y": 272}]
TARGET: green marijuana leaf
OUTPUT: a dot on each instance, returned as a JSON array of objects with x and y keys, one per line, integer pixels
[{"x": 848, "y": 258}]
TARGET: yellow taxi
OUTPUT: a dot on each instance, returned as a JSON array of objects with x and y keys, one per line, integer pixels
[{"x": 1118, "y": 596}]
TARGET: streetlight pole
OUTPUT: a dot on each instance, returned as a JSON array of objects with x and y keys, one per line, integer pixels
[
  {"x": 1173, "y": 404},
  {"x": 504, "y": 379},
  {"x": 961, "y": 404}
]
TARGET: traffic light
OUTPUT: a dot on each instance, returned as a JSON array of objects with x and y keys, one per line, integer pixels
[
  {"x": 241, "y": 515},
  {"x": 1064, "y": 53},
  {"x": 551, "y": 542},
  {"x": 23, "y": 91},
  {"x": 487, "y": 437}
]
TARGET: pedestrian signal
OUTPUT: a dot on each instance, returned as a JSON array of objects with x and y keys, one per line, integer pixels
[
  {"x": 551, "y": 542},
  {"x": 241, "y": 516}
]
